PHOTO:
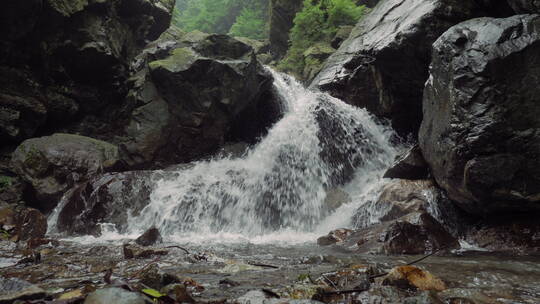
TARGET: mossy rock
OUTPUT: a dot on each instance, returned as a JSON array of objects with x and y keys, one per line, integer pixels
[
  {"x": 179, "y": 60},
  {"x": 50, "y": 164}
]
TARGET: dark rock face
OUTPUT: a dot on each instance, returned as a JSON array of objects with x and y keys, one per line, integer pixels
[
  {"x": 410, "y": 165},
  {"x": 383, "y": 65},
  {"x": 105, "y": 199},
  {"x": 481, "y": 131},
  {"x": 282, "y": 14},
  {"x": 525, "y": 6},
  {"x": 53, "y": 164},
  {"x": 63, "y": 64},
  {"x": 192, "y": 93}
]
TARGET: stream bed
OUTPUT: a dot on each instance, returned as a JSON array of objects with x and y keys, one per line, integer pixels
[{"x": 229, "y": 270}]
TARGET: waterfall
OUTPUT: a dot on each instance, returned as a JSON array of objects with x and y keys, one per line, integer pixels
[{"x": 281, "y": 183}]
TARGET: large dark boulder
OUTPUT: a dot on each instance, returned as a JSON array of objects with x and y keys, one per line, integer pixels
[
  {"x": 64, "y": 64},
  {"x": 282, "y": 13},
  {"x": 53, "y": 164},
  {"x": 383, "y": 65},
  {"x": 481, "y": 128},
  {"x": 414, "y": 233},
  {"x": 192, "y": 93},
  {"x": 525, "y": 6},
  {"x": 408, "y": 217}
]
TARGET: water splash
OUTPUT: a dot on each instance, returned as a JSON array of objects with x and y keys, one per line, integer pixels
[{"x": 281, "y": 184}]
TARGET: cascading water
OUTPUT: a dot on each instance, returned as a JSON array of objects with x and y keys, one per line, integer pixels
[{"x": 281, "y": 183}]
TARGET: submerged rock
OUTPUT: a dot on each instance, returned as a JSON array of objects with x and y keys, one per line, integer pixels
[
  {"x": 481, "y": 130},
  {"x": 13, "y": 289},
  {"x": 511, "y": 235},
  {"x": 412, "y": 277},
  {"x": 410, "y": 165},
  {"x": 132, "y": 251},
  {"x": 383, "y": 65},
  {"x": 53, "y": 164},
  {"x": 193, "y": 92},
  {"x": 115, "y": 295}
]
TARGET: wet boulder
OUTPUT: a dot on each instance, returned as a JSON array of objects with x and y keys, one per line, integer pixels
[
  {"x": 481, "y": 128},
  {"x": 409, "y": 217},
  {"x": 132, "y": 251},
  {"x": 335, "y": 236},
  {"x": 415, "y": 233},
  {"x": 510, "y": 235},
  {"x": 149, "y": 237},
  {"x": 402, "y": 197},
  {"x": 53, "y": 164},
  {"x": 193, "y": 92},
  {"x": 383, "y": 65},
  {"x": 525, "y": 6},
  {"x": 109, "y": 198},
  {"x": 409, "y": 165},
  {"x": 22, "y": 224}
]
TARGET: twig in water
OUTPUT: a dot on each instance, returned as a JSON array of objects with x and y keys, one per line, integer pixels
[
  {"x": 263, "y": 265},
  {"x": 409, "y": 264},
  {"x": 182, "y": 248},
  {"x": 144, "y": 268},
  {"x": 333, "y": 285},
  {"x": 339, "y": 292},
  {"x": 425, "y": 257}
]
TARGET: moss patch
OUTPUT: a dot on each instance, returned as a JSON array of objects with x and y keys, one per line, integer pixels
[
  {"x": 68, "y": 7},
  {"x": 179, "y": 60}
]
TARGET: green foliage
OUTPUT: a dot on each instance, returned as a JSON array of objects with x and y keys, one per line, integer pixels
[
  {"x": 5, "y": 181},
  {"x": 318, "y": 22},
  {"x": 247, "y": 18},
  {"x": 251, "y": 24}
]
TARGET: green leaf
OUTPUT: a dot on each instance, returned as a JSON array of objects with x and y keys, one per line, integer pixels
[{"x": 152, "y": 293}]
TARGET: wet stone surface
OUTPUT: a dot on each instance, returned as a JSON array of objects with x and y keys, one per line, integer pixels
[{"x": 249, "y": 272}]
